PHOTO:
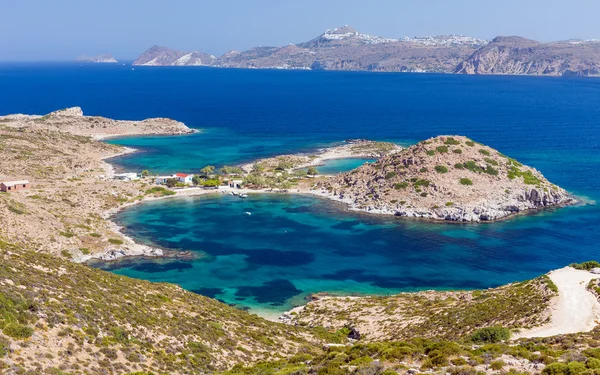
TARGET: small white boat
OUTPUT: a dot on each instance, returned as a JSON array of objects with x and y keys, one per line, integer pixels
[
  {"x": 248, "y": 213},
  {"x": 243, "y": 195},
  {"x": 231, "y": 193}
]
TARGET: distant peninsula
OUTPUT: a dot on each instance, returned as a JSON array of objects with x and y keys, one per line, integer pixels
[
  {"x": 100, "y": 59},
  {"x": 347, "y": 49}
]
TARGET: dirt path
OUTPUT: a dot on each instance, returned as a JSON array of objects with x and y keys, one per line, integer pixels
[{"x": 576, "y": 309}]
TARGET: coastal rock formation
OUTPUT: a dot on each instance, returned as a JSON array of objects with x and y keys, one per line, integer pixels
[
  {"x": 445, "y": 178},
  {"x": 72, "y": 121},
  {"x": 516, "y": 55},
  {"x": 342, "y": 48},
  {"x": 100, "y": 59}
]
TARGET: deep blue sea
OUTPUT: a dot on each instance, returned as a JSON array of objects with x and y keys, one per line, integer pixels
[{"x": 294, "y": 245}]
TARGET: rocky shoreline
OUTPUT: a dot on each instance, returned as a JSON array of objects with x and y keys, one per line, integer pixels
[{"x": 447, "y": 178}]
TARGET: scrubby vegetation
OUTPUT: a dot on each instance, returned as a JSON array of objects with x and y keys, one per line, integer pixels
[
  {"x": 586, "y": 265},
  {"x": 442, "y": 315},
  {"x": 561, "y": 355},
  {"x": 150, "y": 327}
]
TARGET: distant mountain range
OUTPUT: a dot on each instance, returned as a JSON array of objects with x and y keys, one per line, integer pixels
[
  {"x": 106, "y": 58},
  {"x": 345, "y": 48}
]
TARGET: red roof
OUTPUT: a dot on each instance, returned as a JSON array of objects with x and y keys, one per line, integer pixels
[{"x": 181, "y": 175}]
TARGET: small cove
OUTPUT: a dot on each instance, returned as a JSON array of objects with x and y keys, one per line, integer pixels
[{"x": 295, "y": 245}]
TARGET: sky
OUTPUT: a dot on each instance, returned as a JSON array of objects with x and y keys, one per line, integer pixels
[{"x": 49, "y": 30}]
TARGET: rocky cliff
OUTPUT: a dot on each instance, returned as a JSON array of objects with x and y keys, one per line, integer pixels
[
  {"x": 515, "y": 55},
  {"x": 342, "y": 48},
  {"x": 445, "y": 178}
]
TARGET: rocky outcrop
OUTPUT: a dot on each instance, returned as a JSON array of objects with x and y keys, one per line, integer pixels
[
  {"x": 515, "y": 55},
  {"x": 445, "y": 178}
]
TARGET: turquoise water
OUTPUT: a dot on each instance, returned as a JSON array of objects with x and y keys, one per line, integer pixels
[
  {"x": 291, "y": 246},
  {"x": 335, "y": 166}
]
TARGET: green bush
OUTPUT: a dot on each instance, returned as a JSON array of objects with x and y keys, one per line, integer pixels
[
  {"x": 457, "y": 151},
  {"x": 115, "y": 241},
  {"x": 17, "y": 330},
  {"x": 448, "y": 204},
  {"x": 585, "y": 265},
  {"x": 491, "y": 161},
  {"x": 484, "y": 152},
  {"x": 470, "y": 143},
  {"x": 441, "y": 169},
  {"x": 491, "y": 334},
  {"x": 401, "y": 185},
  {"x": 459, "y": 166},
  {"x": 497, "y": 365},
  {"x": 442, "y": 149},
  {"x": 430, "y": 152},
  {"x": 451, "y": 141},
  {"x": 472, "y": 166},
  {"x": 389, "y": 175},
  {"x": 423, "y": 170},
  {"x": 465, "y": 181},
  {"x": 491, "y": 170}
]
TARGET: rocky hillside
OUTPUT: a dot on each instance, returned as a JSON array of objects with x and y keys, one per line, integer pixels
[
  {"x": 515, "y": 55},
  {"x": 445, "y": 178},
  {"x": 59, "y": 317},
  {"x": 432, "y": 314},
  {"x": 72, "y": 187},
  {"x": 342, "y": 48}
]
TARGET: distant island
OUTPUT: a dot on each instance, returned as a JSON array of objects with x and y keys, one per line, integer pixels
[
  {"x": 102, "y": 59},
  {"x": 345, "y": 48}
]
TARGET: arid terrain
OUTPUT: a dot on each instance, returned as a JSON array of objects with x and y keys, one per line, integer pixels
[{"x": 445, "y": 178}]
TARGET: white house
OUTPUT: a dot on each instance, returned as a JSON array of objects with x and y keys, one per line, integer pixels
[
  {"x": 161, "y": 180},
  {"x": 184, "y": 178},
  {"x": 127, "y": 176}
]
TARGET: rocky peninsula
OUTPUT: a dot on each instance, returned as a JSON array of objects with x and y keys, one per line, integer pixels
[
  {"x": 73, "y": 121},
  {"x": 73, "y": 191},
  {"x": 448, "y": 178}
]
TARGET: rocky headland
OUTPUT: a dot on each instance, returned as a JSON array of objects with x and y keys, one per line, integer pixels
[
  {"x": 72, "y": 121},
  {"x": 345, "y": 48},
  {"x": 448, "y": 178},
  {"x": 73, "y": 191}
]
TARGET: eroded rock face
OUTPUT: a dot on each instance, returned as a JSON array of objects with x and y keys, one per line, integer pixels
[
  {"x": 515, "y": 55},
  {"x": 446, "y": 178}
]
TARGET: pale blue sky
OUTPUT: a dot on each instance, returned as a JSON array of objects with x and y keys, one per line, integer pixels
[{"x": 64, "y": 29}]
